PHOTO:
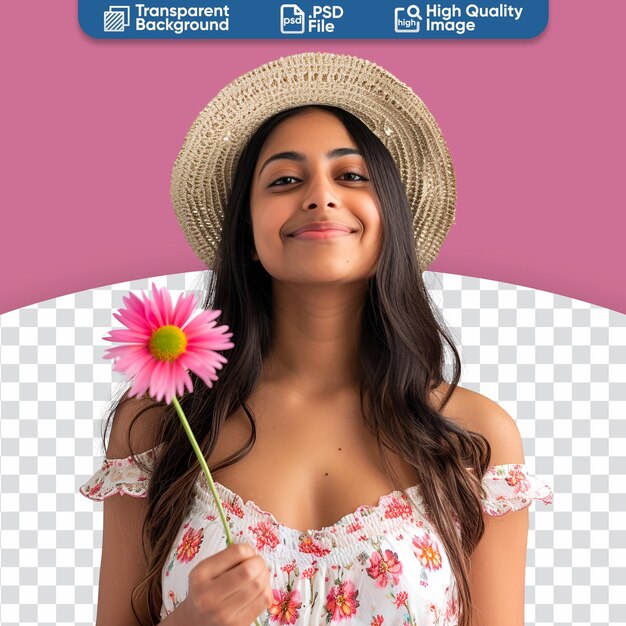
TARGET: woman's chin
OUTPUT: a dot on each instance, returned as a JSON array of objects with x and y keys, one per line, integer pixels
[{"x": 323, "y": 278}]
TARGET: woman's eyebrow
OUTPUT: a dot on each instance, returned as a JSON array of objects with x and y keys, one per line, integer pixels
[{"x": 298, "y": 156}]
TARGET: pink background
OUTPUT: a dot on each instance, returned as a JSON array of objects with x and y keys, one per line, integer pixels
[{"x": 90, "y": 129}]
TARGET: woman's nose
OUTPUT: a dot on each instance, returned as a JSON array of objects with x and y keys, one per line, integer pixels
[{"x": 320, "y": 193}]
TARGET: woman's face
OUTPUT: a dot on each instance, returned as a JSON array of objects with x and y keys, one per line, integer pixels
[{"x": 310, "y": 170}]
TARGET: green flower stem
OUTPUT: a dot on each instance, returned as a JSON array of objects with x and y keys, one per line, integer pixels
[{"x": 205, "y": 469}]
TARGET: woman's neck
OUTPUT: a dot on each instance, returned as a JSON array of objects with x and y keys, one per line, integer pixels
[{"x": 316, "y": 329}]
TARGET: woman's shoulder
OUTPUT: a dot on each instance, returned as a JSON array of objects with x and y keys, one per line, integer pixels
[
  {"x": 476, "y": 412},
  {"x": 509, "y": 483},
  {"x": 131, "y": 451},
  {"x": 135, "y": 426}
]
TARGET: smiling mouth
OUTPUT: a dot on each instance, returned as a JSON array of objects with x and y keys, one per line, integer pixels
[{"x": 322, "y": 234}]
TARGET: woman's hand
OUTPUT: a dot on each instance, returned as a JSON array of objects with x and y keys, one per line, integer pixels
[{"x": 230, "y": 588}]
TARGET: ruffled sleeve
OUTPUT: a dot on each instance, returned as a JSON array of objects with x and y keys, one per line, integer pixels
[
  {"x": 123, "y": 476},
  {"x": 512, "y": 487}
]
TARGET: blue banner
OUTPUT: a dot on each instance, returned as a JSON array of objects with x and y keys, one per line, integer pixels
[{"x": 344, "y": 19}]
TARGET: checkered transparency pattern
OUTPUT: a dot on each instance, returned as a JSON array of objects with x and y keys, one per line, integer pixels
[{"x": 555, "y": 364}]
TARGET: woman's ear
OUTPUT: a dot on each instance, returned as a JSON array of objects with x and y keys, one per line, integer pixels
[{"x": 255, "y": 256}]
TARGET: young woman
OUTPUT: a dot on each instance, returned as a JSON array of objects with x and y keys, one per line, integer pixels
[{"x": 361, "y": 487}]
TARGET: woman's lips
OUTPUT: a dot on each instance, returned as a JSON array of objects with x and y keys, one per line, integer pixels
[{"x": 321, "y": 234}]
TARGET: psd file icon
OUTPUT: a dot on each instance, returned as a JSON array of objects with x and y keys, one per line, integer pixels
[
  {"x": 116, "y": 19},
  {"x": 291, "y": 19}
]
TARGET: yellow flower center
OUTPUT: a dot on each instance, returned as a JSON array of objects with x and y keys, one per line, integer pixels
[{"x": 167, "y": 343}]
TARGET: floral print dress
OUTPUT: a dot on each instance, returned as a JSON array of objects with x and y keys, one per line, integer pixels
[{"x": 382, "y": 565}]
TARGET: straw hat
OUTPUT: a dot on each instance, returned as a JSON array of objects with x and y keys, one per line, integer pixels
[{"x": 203, "y": 171}]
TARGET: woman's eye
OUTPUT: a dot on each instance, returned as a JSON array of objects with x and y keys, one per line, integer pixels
[
  {"x": 288, "y": 180},
  {"x": 281, "y": 181},
  {"x": 358, "y": 178}
]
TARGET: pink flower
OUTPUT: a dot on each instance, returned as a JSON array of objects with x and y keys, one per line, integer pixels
[
  {"x": 96, "y": 488},
  {"x": 401, "y": 599},
  {"x": 353, "y": 527},
  {"x": 285, "y": 606},
  {"x": 265, "y": 533},
  {"x": 308, "y": 545},
  {"x": 162, "y": 344},
  {"x": 382, "y": 567},
  {"x": 517, "y": 479},
  {"x": 190, "y": 544},
  {"x": 398, "y": 507},
  {"x": 234, "y": 508},
  {"x": 429, "y": 555},
  {"x": 451, "y": 610},
  {"x": 341, "y": 601}
]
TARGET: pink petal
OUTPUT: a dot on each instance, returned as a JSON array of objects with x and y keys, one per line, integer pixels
[
  {"x": 221, "y": 330},
  {"x": 184, "y": 307},
  {"x": 208, "y": 343},
  {"x": 206, "y": 317},
  {"x": 142, "y": 388},
  {"x": 130, "y": 319},
  {"x": 186, "y": 380},
  {"x": 203, "y": 346},
  {"x": 159, "y": 304},
  {"x": 113, "y": 353},
  {"x": 188, "y": 383},
  {"x": 135, "y": 362},
  {"x": 165, "y": 380},
  {"x": 168, "y": 308},
  {"x": 141, "y": 382},
  {"x": 170, "y": 384},
  {"x": 162, "y": 304},
  {"x": 122, "y": 351},
  {"x": 208, "y": 336},
  {"x": 173, "y": 380},
  {"x": 181, "y": 378},
  {"x": 117, "y": 368},
  {"x": 178, "y": 380},
  {"x": 149, "y": 313},
  {"x": 136, "y": 311},
  {"x": 161, "y": 381},
  {"x": 134, "y": 304},
  {"x": 144, "y": 377},
  {"x": 135, "y": 391},
  {"x": 215, "y": 341},
  {"x": 203, "y": 369},
  {"x": 157, "y": 384},
  {"x": 204, "y": 355},
  {"x": 176, "y": 377},
  {"x": 128, "y": 336},
  {"x": 132, "y": 369}
]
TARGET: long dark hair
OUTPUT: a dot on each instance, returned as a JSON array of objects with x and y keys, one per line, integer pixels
[{"x": 401, "y": 354}]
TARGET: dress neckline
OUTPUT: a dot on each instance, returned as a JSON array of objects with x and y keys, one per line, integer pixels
[
  {"x": 361, "y": 512},
  {"x": 411, "y": 496},
  {"x": 416, "y": 503}
]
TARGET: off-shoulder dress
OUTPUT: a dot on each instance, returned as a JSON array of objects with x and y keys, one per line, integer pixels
[{"x": 383, "y": 564}]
